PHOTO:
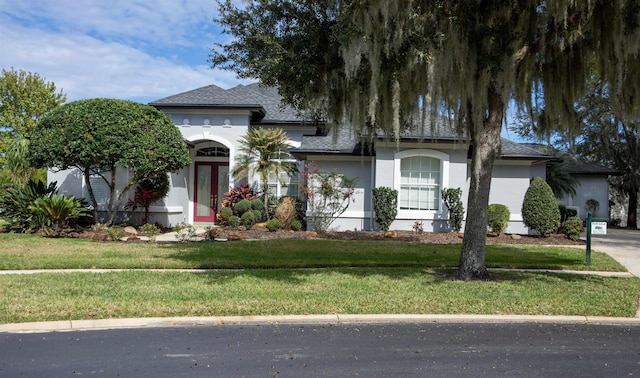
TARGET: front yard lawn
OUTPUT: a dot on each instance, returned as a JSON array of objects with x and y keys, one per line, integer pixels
[
  {"x": 19, "y": 251},
  {"x": 291, "y": 276}
]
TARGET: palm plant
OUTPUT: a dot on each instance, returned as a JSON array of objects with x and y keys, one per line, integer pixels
[{"x": 263, "y": 153}]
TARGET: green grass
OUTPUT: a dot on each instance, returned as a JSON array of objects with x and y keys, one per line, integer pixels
[
  {"x": 67, "y": 296},
  {"x": 297, "y": 277},
  {"x": 19, "y": 251}
]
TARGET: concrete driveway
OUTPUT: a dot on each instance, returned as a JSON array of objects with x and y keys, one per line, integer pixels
[{"x": 621, "y": 244}]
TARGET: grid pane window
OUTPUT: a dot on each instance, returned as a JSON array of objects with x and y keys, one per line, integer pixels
[
  {"x": 284, "y": 185},
  {"x": 419, "y": 183}
]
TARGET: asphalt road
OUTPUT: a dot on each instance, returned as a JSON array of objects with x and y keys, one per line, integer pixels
[{"x": 380, "y": 350}]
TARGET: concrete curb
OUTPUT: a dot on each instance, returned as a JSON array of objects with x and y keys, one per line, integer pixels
[{"x": 106, "y": 324}]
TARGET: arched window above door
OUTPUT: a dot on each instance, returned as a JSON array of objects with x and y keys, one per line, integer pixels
[{"x": 213, "y": 152}]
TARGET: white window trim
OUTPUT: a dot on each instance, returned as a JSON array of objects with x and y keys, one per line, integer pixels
[{"x": 444, "y": 181}]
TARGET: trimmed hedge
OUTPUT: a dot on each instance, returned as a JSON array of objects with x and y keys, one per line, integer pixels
[
  {"x": 385, "y": 206},
  {"x": 540, "y": 209},
  {"x": 498, "y": 217}
]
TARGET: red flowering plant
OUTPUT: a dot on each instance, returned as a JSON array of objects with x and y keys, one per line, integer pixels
[{"x": 147, "y": 192}]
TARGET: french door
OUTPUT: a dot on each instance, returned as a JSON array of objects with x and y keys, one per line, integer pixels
[{"x": 211, "y": 182}]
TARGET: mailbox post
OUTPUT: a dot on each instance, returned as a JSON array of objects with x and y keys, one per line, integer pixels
[{"x": 597, "y": 226}]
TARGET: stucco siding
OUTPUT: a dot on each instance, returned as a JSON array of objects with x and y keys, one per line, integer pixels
[
  {"x": 509, "y": 184},
  {"x": 590, "y": 187},
  {"x": 358, "y": 214}
]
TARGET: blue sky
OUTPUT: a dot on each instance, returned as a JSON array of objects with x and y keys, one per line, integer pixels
[{"x": 140, "y": 50}]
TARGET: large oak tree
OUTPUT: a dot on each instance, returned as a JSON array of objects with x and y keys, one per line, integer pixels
[{"x": 391, "y": 64}]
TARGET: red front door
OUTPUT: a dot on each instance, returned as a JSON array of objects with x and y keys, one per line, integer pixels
[{"x": 211, "y": 182}]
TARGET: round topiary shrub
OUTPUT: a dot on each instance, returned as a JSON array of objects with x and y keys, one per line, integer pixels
[
  {"x": 296, "y": 225},
  {"x": 273, "y": 225},
  {"x": 257, "y": 215},
  {"x": 498, "y": 217},
  {"x": 225, "y": 214},
  {"x": 572, "y": 228},
  {"x": 248, "y": 220},
  {"x": 234, "y": 221},
  {"x": 257, "y": 204},
  {"x": 241, "y": 207},
  {"x": 540, "y": 209}
]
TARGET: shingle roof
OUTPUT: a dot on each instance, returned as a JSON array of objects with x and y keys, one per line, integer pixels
[
  {"x": 253, "y": 96},
  {"x": 267, "y": 102},
  {"x": 513, "y": 150},
  {"x": 575, "y": 164},
  {"x": 340, "y": 141}
]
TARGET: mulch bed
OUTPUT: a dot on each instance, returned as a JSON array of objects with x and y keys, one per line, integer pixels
[{"x": 260, "y": 233}]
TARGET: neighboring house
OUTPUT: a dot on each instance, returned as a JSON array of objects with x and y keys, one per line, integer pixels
[
  {"x": 213, "y": 120},
  {"x": 593, "y": 183}
]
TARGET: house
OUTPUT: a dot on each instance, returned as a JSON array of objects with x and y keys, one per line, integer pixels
[
  {"x": 212, "y": 120},
  {"x": 592, "y": 182}
]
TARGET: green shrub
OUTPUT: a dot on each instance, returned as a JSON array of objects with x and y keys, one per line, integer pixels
[
  {"x": 234, "y": 221},
  {"x": 498, "y": 217},
  {"x": 296, "y": 225},
  {"x": 273, "y": 225},
  {"x": 248, "y": 219},
  {"x": 257, "y": 215},
  {"x": 149, "y": 229},
  {"x": 592, "y": 205},
  {"x": 257, "y": 204},
  {"x": 184, "y": 232},
  {"x": 224, "y": 214},
  {"x": 452, "y": 201},
  {"x": 57, "y": 211},
  {"x": 566, "y": 213},
  {"x": 115, "y": 232},
  {"x": 385, "y": 206},
  {"x": 16, "y": 199},
  {"x": 572, "y": 228},
  {"x": 539, "y": 209},
  {"x": 241, "y": 207}
]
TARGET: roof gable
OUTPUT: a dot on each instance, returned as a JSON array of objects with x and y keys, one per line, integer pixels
[
  {"x": 575, "y": 164},
  {"x": 255, "y": 97}
]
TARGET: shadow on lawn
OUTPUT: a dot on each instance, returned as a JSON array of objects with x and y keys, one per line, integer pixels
[
  {"x": 257, "y": 255},
  {"x": 427, "y": 276}
]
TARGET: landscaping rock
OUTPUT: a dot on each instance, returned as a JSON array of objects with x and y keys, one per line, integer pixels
[
  {"x": 516, "y": 237},
  {"x": 390, "y": 234},
  {"x": 131, "y": 230}
]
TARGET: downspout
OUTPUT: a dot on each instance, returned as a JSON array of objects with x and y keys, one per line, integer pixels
[{"x": 373, "y": 183}]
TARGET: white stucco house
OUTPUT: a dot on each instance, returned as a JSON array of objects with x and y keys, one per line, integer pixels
[
  {"x": 212, "y": 120},
  {"x": 592, "y": 183}
]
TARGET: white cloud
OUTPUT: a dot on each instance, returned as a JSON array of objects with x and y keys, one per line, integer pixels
[{"x": 120, "y": 49}]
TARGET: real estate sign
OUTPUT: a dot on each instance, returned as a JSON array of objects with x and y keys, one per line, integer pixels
[{"x": 598, "y": 228}]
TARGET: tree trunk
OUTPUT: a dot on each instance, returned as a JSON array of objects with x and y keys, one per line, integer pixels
[
  {"x": 265, "y": 196},
  {"x": 632, "y": 215},
  {"x": 485, "y": 140},
  {"x": 92, "y": 197}
]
